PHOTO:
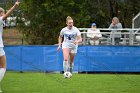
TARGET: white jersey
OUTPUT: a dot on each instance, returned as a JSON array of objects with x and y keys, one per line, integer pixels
[
  {"x": 70, "y": 35},
  {"x": 1, "y": 31}
]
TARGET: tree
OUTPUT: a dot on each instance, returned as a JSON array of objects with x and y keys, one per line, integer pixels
[{"x": 41, "y": 21}]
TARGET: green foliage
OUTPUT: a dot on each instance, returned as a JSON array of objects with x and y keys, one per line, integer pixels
[{"x": 47, "y": 17}]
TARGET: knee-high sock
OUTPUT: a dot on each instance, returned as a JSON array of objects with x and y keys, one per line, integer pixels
[
  {"x": 65, "y": 66},
  {"x": 71, "y": 67},
  {"x": 2, "y": 72}
]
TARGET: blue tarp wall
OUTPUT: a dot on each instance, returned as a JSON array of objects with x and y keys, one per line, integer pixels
[{"x": 88, "y": 58}]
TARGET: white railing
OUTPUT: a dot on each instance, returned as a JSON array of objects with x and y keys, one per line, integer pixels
[
  {"x": 129, "y": 36},
  {"x": 133, "y": 20}
]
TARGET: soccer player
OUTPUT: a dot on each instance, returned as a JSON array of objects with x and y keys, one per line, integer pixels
[
  {"x": 3, "y": 16},
  {"x": 72, "y": 37}
]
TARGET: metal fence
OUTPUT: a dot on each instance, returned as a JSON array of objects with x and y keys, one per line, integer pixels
[
  {"x": 128, "y": 36},
  {"x": 136, "y": 21}
]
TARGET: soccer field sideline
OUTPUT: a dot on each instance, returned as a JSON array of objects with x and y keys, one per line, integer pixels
[{"x": 80, "y": 83}]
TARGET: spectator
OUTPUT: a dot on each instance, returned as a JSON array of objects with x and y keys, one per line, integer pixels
[
  {"x": 94, "y": 34},
  {"x": 116, "y": 34}
]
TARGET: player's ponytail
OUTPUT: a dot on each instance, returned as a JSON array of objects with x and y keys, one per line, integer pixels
[{"x": 68, "y": 18}]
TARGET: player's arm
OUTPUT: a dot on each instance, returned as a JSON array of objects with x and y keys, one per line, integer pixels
[
  {"x": 59, "y": 42},
  {"x": 11, "y": 10},
  {"x": 79, "y": 39}
]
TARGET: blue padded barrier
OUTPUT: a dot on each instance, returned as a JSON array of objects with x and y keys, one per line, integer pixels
[{"x": 88, "y": 58}]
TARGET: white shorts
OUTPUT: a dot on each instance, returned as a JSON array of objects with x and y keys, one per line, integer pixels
[
  {"x": 73, "y": 48},
  {"x": 2, "y": 51}
]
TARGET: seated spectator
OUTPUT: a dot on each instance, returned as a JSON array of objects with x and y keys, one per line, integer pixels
[
  {"x": 94, "y": 34},
  {"x": 116, "y": 34}
]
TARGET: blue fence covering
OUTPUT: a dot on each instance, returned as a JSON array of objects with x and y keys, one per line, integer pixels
[{"x": 88, "y": 58}]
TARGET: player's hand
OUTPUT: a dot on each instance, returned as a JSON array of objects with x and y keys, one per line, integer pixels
[
  {"x": 76, "y": 42},
  {"x": 17, "y": 3},
  {"x": 58, "y": 49}
]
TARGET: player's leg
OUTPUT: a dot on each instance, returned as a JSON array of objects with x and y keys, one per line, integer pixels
[
  {"x": 66, "y": 58},
  {"x": 2, "y": 68},
  {"x": 72, "y": 55},
  {"x": 73, "y": 52}
]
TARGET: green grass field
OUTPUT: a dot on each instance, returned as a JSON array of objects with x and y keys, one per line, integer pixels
[{"x": 80, "y": 83}]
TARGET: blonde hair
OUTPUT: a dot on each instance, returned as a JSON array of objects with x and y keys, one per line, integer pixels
[
  {"x": 115, "y": 18},
  {"x": 1, "y": 10},
  {"x": 68, "y": 18}
]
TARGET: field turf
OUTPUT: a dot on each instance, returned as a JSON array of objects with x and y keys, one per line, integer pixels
[{"x": 28, "y": 82}]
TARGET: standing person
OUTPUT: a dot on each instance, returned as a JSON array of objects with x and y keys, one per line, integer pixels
[
  {"x": 3, "y": 16},
  {"x": 72, "y": 37},
  {"x": 116, "y": 34},
  {"x": 94, "y": 34}
]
